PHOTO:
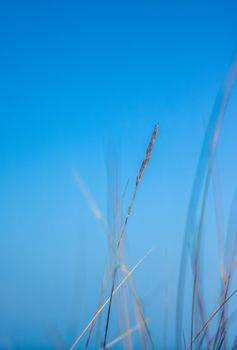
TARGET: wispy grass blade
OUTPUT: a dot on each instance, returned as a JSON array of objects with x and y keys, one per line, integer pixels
[
  {"x": 102, "y": 221},
  {"x": 89, "y": 199},
  {"x": 198, "y": 197},
  {"x": 206, "y": 324},
  {"x": 124, "y": 280}
]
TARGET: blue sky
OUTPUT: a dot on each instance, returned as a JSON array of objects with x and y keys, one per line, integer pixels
[{"x": 76, "y": 77}]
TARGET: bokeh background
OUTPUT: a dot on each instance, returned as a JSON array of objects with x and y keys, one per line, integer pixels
[{"x": 82, "y": 83}]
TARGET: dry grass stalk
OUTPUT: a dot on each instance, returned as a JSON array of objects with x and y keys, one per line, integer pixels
[
  {"x": 138, "y": 180},
  {"x": 139, "y": 177}
]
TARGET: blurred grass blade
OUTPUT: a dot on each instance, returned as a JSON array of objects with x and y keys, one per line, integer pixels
[
  {"x": 124, "y": 280},
  {"x": 123, "y": 336},
  {"x": 206, "y": 324}
]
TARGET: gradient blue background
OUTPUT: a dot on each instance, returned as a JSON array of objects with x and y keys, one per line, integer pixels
[{"x": 76, "y": 76}]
